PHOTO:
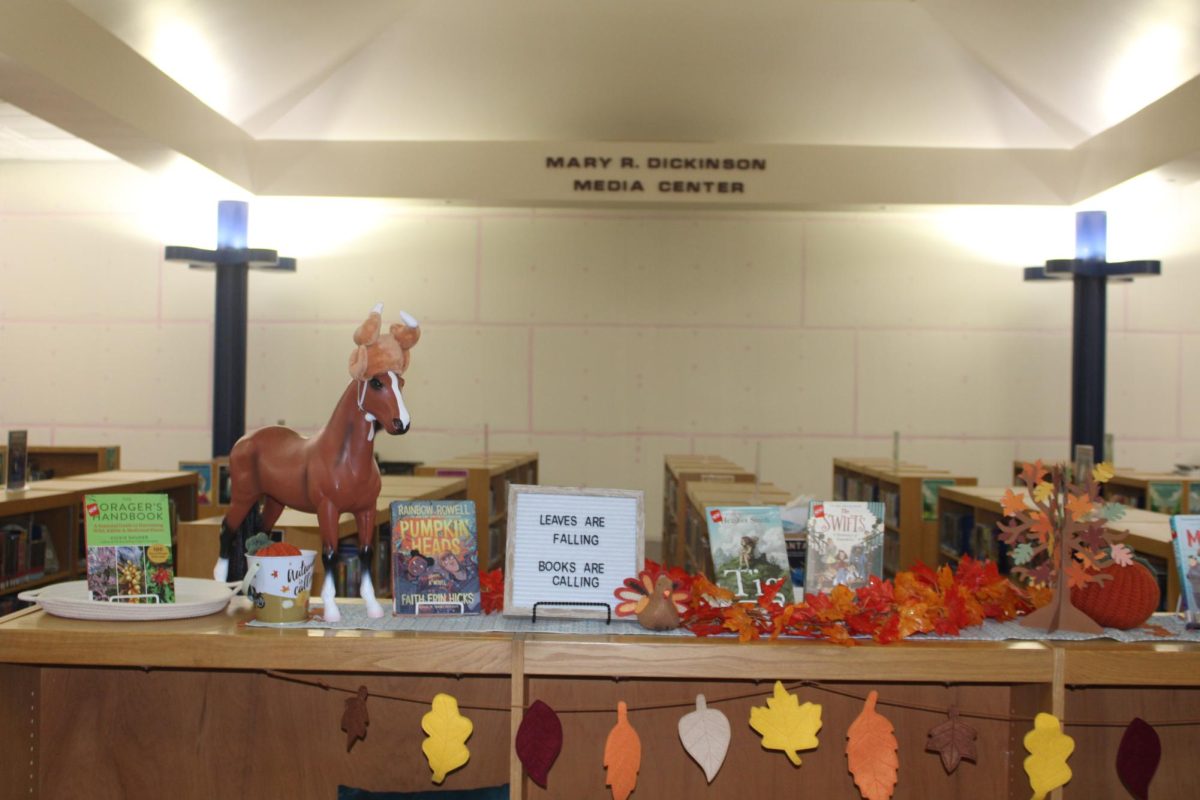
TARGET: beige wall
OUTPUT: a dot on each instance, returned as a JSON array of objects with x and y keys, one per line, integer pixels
[{"x": 601, "y": 339}]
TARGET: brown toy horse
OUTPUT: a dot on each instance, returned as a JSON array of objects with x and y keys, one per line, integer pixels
[{"x": 333, "y": 472}]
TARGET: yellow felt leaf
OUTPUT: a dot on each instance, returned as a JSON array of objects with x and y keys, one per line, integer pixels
[
  {"x": 1048, "y": 749},
  {"x": 622, "y": 755},
  {"x": 1042, "y": 491},
  {"x": 1103, "y": 472},
  {"x": 786, "y": 725},
  {"x": 447, "y": 731}
]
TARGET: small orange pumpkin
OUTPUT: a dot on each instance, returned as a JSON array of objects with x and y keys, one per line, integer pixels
[{"x": 1126, "y": 601}]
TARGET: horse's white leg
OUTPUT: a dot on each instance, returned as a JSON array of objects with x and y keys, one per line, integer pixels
[
  {"x": 366, "y": 590},
  {"x": 328, "y": 593},
  {"x": 327, "y": 519}
]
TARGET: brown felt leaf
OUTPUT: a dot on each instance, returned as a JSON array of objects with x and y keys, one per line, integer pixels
[
  {"x": 539, "y": 741},
  {"x": 622, "y": 756},
  {"x": 1137, "y": 757},
  {"x": 354, "y": 718},
  {"x": 953, "y": 740},
  {"x": 871, "y": 752}
]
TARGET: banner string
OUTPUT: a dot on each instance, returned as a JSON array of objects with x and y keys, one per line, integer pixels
[{"x": 757, "y": 693}]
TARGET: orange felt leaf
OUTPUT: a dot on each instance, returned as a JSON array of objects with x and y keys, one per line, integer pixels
[
  {"x": 1076, "y": 575},
  {"x": 1032, "y": 473},
  {"x": 1080, "y": 506},
  {"x": 1012, "y": 503},
  {"x": 622, "y": 755},
  {"x": 871, "y": 752},
  {"x": 1042, "y": 526}
]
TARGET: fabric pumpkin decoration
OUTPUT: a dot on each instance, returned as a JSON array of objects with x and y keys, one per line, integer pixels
[{"x": 1126, "y": 601}]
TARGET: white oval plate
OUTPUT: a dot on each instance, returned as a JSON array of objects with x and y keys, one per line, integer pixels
[{"x": 194, "y": 597}]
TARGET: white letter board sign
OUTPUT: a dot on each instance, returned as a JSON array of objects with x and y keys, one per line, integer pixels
[{"x": 570, "y": 545}]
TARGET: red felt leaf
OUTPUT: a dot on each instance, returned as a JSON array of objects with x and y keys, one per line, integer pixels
[
  {"x": 354, "y": 718},
  {"x": 953, "y": 740},
  {"x": 539, "y": 741},
  {"x": 491, "y": 587},
  {"x": 1137, "y": 757}
]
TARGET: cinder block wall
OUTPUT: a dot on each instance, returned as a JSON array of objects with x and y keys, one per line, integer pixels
[{"x": 601, "y": 339}]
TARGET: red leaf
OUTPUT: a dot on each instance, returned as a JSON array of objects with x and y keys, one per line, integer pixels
[
  {"x": 539, "y": 741},
  {"x": 491, "y": 585},
  {"x": 1137, "y": 757},
  {"x": 354, "y": 718}
]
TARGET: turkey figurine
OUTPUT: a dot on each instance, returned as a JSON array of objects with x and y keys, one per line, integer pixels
[{"x": 655, "y": 601}]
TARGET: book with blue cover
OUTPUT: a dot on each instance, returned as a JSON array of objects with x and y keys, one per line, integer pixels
[
  {"x": 435, "y": 566},
  {"x": 1185, "y": 539},
  {"x": 748, "y": 551}
]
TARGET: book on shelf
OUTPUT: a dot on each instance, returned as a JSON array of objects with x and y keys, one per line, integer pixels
[
  {"x": 435, "y": 568},
  {"x": 748, "y": 551},
  {"x": 845, "y": 545},
  {"x": 1164, "y": 497},
  {"x": 18, "y": 460},
  {"x": 929, "y": 495},
  {"x": 1185, "y": 539}
]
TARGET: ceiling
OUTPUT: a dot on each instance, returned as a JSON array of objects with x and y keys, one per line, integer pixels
[{"x": 851, "y": 101}]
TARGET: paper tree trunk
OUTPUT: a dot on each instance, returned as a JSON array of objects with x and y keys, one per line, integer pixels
[{"x": 1059, "y": 614}]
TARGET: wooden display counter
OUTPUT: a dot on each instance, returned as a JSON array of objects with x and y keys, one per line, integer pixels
[
  {"x": 969, "y": 515},
  {"x": 210, "y": 705},
  {"x": 488, "y": 477}
]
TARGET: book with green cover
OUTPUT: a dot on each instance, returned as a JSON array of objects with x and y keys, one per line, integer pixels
[
  {"x": 748, "y": 551},
  {"x": 129, "y": 554}
]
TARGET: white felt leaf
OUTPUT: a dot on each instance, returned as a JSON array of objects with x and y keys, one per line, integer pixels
[{"x": 705, "y": 736}]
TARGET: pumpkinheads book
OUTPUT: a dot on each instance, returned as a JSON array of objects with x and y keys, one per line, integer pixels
[
  {"x": 845, "y": 545},
  {"x": 435, "y": 566},
  {"x": 129, "y": 557}
]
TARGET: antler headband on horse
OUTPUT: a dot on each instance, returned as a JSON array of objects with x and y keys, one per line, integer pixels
[{"x": 334, "y": 471}]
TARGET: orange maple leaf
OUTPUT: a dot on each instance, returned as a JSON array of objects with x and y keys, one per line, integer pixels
[
  {"x": 1042, "y": 526},
  {"x": 1080, "y": 506},
  {"x": 1077, "y": 576},
  {"x": 1032, "y": 473},
  {"x": 871, "y": 752},
  {"x": 1012, "y": 503}
]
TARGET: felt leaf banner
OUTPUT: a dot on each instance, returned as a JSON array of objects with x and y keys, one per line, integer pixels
[
  {"x": 953, "y": 740},
  {"x": 705, "y": 736},
  {"x": 786, "y": 725},
  {"x": 1137, "y": 757},
  {"x": 622, "y": 755},
  {"x": 447, "y": 731},
  {"x": 1049, "y": 748},
  {"x": 539, "y": 741},
  {"x": 354, "y": 717},
  {"x": 871, "y": 752}
]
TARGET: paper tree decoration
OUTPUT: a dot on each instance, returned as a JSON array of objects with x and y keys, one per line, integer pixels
[
  {"x": 1049, "y": 748},
  {"x": 871, "y": 752},
  {"x": 705, "y": 736},
  {"x": 786, "y": 725},
  {"x": 447, "y": 732},
  {"x": 622, "y": 755},
  {"x": 1062, "y": 542}
]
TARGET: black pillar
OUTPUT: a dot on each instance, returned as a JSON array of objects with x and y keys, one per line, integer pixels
[
  {"x": 1087, "y": 362},
  {"x": 229, "y": 358}
]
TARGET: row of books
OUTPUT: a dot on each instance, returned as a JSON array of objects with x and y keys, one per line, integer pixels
[{"x": 25, "y": 549}]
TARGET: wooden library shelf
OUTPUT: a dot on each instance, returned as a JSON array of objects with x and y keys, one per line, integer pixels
[
  {"x": 908, "y": 493},
  {"x": 488, "y": 477},
  {"x": 678, "y": 472}
]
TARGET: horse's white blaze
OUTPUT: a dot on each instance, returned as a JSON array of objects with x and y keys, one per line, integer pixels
[{"x": 400, "y": 409}]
